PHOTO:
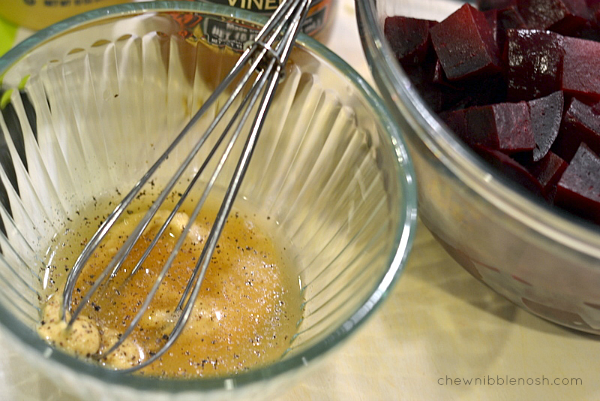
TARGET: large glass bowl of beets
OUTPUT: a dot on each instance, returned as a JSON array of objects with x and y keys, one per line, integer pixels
[{"x": 500, "y": 104}]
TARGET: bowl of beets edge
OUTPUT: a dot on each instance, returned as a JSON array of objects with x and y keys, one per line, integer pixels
[{"x": 500, "y": 103}]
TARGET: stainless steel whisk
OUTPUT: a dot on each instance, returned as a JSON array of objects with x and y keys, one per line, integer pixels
[{"x": 265, "y": 59}]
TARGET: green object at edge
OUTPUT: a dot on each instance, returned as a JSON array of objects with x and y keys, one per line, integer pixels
[{"x": 8, "y": 32}]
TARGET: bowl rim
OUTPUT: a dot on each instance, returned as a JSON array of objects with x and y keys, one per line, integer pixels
[
  {"x": 396, "y": 261},
  {"x": 560, "y": 227}
]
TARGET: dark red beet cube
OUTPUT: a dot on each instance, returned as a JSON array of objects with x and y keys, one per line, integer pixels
[
  {"x": 456, "y": 121},
  {"x": 507, "y": 18},
  {"x": 581, "y": 123},
  {"x": 510, "y": 18},
  {"x": 548, "y": 171},
  {"x": 594, "y": 7},
  {"x": 592, "y": 4},
  {"x": 581, "y": 68},
  {"x": 579, "y": 187},
  {"x": 409, "y": 38},
  {"x": 562, "y": 16},
  {"x": 511, "y": 169},
  {"x": 457, "y": 95},
  {"x": 485, "y": 5},
  {"x": 491, "y": 17},
  {"x": 546, "y": 116},
  {"x": 422, "y": 78},
  {"x": 502, "y": 126},
  {"x": 534, "y": 63},
  {"x": 438, "y": 74},
  {"x": 465, "y": 45},
  {"x": 478, "y": 92}
]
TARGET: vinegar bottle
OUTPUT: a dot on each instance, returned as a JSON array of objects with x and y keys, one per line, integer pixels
[{"x": 38, "y": 14}]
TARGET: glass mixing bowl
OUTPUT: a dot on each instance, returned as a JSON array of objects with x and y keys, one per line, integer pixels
[
  {"x": 89, "y": 103},
  {"x": 541, "y": 259}
]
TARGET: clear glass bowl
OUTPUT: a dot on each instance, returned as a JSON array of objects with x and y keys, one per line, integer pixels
[
  {"x": 540, "y": 258},
  {"x": 88, "y": 105}
]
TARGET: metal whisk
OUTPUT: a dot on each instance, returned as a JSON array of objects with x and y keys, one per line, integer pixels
[{"x": 259, "y": 71}]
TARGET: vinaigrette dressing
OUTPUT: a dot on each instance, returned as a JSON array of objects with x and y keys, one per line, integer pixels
[{"x": 245, "y": 315}]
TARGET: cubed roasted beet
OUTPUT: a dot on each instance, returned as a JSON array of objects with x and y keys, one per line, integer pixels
[
  {"x": 511, "y": 169},
  {"x": 546, "y": 116},
  {"x": 491, "y": 16},
  {"x": 589, "y": 31},
  {"x": 510, "y": 18},
  {"x": 581, "y": 68},
  {"x": 548, "y": 171},
  {"x": 445, "y": 95},
  {"x": 507, "y": 18},
  {"x": 579, "y": 187},
  {"x": 562, "y": 16},
  {"x": 594, "y": 7},
  {"x": 465, "y": 44},
  {"x": 422, "y": 78},
  {"x": 580, "y": 123},
  {"x": 409, "y": 38},
  {"x": 503, "y": 126},
  {"x": 457, "y": 121},
  {"x": 438, "y": 74},
  {"x": 592, "y": 4},
  {"x": 485, "y": 5},
  {"x": 477, "y": 92},
  {"x": 534, "y": 63},
  {"x": 423, "y": 73}
]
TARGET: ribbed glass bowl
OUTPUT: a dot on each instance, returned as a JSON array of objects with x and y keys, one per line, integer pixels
[
  {"x": 541, "y": 259},
  {"x": 90, "y": 103}
]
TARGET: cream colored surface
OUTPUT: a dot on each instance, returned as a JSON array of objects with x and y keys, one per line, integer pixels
[{"x": 439, "y": 323}]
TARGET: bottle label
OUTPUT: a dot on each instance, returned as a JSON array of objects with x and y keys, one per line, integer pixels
[
  {"x": 60, "y": 3},
  {"x": 218, "y": 31}
]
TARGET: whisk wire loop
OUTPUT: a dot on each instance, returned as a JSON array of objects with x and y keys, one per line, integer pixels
[
  {"x": 264, "y": 60},
  {"x": 247, "y": 100},
  {"x": 121, "y": 255}
]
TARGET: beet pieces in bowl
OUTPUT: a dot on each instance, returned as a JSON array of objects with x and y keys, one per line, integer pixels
[{"x": 519, "y": 82}]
